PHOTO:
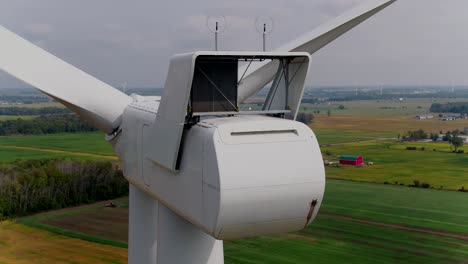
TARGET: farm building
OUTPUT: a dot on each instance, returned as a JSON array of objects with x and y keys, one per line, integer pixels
[
  {"x": 449, "y": 118},
  {"x": 424, "y": 117},
  {"x": 351, "y": 160}
]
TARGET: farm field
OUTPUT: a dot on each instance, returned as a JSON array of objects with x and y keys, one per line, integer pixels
[
  {"x": 379, "y": 107},
  {"x": 358, "y": 222},
  {"x": 9, "y": 117},
  {"x": 394, "y": 164},
  {"x": 327, "y": 136},
  {"x": 393, "y": 125},
  {"x": 71, "y": 144},
  {"x": 22, "y": 244}
]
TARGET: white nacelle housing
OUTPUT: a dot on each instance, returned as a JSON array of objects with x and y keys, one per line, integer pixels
[
  {"x": 239, "y": 176},
  {"x": 260, "y": 175},
  {"x": 231, "y": 173}
]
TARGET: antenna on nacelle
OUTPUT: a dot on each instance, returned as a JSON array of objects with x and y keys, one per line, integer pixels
[
  {"x": 264, "y": 25},
  {"x": 217, "y": 25}
]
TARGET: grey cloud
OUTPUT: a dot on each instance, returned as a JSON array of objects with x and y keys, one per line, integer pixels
[{"x": 413, "y": 41}]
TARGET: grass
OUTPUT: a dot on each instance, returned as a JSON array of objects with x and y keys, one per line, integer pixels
[
  {"x": 338, "y": 235},
  {"x": 8, "y": 117},
  {"x": 9, "y": 155},
  {"x": 393, "y": 163},
  {"x": 92, "y": 143},
  {"x": 421, "y": 208},
  {"x": 84, "y": 146}
]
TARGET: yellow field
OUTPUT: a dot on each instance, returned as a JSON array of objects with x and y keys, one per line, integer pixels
[{"x": 21, "y": 244}]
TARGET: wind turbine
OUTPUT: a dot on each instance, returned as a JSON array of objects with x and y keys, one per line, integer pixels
[{"x": 200, "y": 170}]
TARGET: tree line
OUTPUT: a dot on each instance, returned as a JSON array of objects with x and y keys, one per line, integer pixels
[
  {"x": 452, "y": 137},
  {"x": 458, "y": 107},
  {"x": 31, "y": 186},
  {"x": 29, "y": 111},
  {"x": 48, "y": 124},
  {"x": 25, "y": 99}
]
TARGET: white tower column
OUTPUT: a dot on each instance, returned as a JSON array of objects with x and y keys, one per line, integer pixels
[{"x": 159, "y": 236}]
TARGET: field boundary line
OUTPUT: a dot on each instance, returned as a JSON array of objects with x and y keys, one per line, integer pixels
[{"x": 84, "y": 154}]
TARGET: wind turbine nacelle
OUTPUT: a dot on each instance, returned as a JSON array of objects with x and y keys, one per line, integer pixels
[
  {"x": 239, "y": 176},
  {"x": 233, "y": 174}
]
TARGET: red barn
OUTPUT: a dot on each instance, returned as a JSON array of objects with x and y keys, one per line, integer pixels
[{"x": 351, "y": 160}]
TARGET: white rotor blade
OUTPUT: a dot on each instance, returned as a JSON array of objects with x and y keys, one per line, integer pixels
[
  {"x": 257, "y": 77},
  {"x": 95, "y": 101}
]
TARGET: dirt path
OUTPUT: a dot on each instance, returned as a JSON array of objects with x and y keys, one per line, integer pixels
[
  {"x": 402, "y": 227},
  {"x": 83, "y": 154}
]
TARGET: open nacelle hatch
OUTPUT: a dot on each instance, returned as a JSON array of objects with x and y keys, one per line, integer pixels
[
  {"x": 214, "y": 85},
  {"x": 203, "y": 84}
]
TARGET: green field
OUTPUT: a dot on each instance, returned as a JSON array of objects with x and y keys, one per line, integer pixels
[
  {"x": 357, "y": 223},
  {"x": 93, "y": 143},
  {"x": 393, "y": 163},
  {"x": 368, "y": 223},
  {"x": 332, "y": 136},
  {"x": 8, "y": 117},
  {"x": 9, "y": 154}
]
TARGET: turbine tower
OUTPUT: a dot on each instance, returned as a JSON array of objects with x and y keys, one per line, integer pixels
[{"x": 200, "y": 170}]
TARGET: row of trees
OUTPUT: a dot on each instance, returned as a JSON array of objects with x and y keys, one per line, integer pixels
[
  {"x": 48, "y": 124},
  {"x": 28, "y": 187},
  {"x": 452, "y": 137},
  {"x": 458, "y": 107},
  {"x": 25, "y": 99},
  {"x": 29, "y": 111}
]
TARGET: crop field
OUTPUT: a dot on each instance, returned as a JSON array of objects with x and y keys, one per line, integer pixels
[
  {"x": 379, "y": 107},
  {"x": 389, "y": 124},
  {"x": 327, "y": 136},
  {"x": 394, "y": 164},
  {"x": 358, "y": 223}
]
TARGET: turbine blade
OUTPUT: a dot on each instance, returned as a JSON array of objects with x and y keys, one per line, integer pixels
[
  {"x": 311, "y": 42},
  {"x": 95, "y": 101}
]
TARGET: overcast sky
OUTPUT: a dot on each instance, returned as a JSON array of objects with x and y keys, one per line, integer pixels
[{"x": 416, "y": 42}]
